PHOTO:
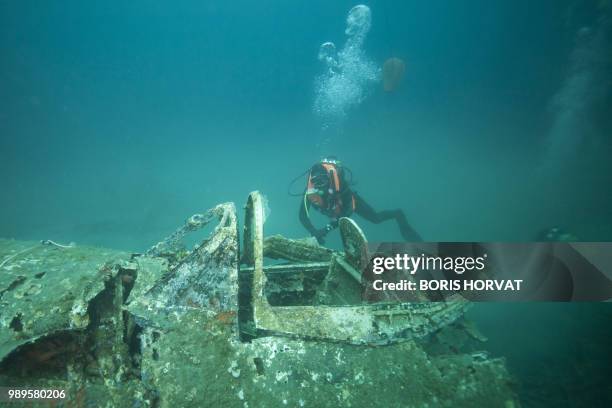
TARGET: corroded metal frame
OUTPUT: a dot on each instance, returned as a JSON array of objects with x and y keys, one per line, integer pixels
[{"x": 362, "y": 324}]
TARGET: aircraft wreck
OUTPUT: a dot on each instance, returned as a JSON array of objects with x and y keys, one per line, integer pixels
[{"x": 269, "y": 322}]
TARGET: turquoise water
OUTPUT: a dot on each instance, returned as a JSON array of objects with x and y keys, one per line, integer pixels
[{"x": 118, "y": 121}]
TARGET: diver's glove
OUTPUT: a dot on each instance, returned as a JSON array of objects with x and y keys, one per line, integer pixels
[{"x": 333, "y": 224}]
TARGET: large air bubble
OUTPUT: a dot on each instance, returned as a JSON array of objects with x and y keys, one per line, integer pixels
[
  {"x": 349, "y": 73},
  {"x": 358, "y": 21}
]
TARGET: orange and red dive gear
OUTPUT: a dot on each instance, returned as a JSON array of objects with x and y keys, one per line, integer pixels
[{"x": 329, "y": 202}]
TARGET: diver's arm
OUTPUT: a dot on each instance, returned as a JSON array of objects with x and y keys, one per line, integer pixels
[
  {"x": 305, "y": 220},
  {"x": 319, "y": 234}
]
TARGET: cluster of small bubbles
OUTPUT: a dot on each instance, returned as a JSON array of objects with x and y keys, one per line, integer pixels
[
  {"x": 580, "y": 95},
  {"x": 329, "y": 55},
  {"x": 349, "y": 73}
]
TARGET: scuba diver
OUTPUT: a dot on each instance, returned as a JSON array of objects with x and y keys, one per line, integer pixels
[{"x": 328, "y": 192}]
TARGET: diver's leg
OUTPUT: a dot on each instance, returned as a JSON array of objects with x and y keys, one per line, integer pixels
[
  {"x": 408, "y": 233},
  {"x": 364, "y": 210}
]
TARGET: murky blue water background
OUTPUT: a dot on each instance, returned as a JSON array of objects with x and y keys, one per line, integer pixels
[{"x": 120, "y": 119}]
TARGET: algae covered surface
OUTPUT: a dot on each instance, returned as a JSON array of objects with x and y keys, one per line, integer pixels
[
  {"x": 46, "y": 289},
  {"x": 214, "y": 369},
  {"x": 115, "y": 329}
]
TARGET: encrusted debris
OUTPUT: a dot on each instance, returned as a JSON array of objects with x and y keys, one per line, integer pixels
[{"x": 196, "y": 328}]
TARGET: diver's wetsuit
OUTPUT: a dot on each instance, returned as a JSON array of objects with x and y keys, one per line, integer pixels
[{"x": 364, "y": 210}]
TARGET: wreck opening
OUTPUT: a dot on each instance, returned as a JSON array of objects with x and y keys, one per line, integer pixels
[
  {"x": 47, "y": 357},
  {"x": 16, "y": 323},
  {"x": 18, "y": 281}
]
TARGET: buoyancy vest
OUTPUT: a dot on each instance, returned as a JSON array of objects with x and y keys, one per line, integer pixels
[{"x": 329, "y": 202}]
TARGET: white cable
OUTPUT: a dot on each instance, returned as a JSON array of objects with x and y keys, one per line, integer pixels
[
  {"x": 53, "y": 243},
  {"x": 43, "y": 242}
]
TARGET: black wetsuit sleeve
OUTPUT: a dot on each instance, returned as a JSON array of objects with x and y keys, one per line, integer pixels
[{"x": 305, "y": 220}]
